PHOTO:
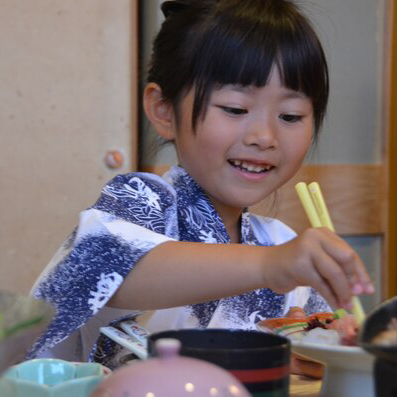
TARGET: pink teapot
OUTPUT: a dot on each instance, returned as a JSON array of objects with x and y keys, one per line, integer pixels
[{"x": 170, "y": 374}]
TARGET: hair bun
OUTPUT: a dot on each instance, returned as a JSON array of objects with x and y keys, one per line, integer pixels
[{"x": 170, "y": 8}]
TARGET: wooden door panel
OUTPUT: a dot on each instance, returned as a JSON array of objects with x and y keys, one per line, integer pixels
[{"x": 355, "y": 195}]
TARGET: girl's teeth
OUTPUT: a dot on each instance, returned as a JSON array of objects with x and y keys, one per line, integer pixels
[{"x": 250, "y": 167}]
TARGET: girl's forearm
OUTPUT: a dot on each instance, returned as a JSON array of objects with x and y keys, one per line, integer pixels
[{"x": 181, "y": 273}]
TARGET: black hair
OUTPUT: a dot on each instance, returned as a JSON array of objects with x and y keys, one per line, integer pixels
[{"x": 210, "y": 43}]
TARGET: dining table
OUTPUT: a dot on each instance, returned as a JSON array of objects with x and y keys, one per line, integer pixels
[{"x": 303, "y": 386}]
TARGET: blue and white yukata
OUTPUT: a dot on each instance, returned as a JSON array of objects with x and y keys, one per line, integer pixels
[{"x": 135, "y": 213}]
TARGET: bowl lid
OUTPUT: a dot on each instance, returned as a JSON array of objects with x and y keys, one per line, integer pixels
[{"x": 170, "y": 374}]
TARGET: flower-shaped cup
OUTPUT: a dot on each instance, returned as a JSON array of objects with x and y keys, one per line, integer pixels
[{"x": 51, "y": 377}]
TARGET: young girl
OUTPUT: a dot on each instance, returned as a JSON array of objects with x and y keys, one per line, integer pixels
[{"x": 240, "y": 88}]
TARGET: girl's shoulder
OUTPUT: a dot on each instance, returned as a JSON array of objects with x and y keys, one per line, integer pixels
[
  {"x": 140, "y": 181},
  {"x": 266, "y": 229},
  {"x": 136, "y": 192}
]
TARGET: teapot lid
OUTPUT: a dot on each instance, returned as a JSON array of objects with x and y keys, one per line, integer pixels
[{"x": 170, "y": 374}]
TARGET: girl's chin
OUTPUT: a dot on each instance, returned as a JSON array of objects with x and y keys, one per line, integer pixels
[{"x": 242, "y": 204}]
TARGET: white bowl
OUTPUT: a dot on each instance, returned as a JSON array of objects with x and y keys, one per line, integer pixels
[{"x": 348, "y": 369}]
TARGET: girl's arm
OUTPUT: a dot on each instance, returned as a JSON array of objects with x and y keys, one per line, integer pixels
[{"x": 181, "y": 273}]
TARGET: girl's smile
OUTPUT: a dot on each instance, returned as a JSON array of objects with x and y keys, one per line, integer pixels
[
  {"x": 249, "y": 166},
  {"x": 249, "y": 142}
]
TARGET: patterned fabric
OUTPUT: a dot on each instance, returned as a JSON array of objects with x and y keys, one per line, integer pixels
[{"x": 135, "y": 213}]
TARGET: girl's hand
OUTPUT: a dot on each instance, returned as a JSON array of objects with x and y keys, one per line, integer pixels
[
  {"x": 296, "y": 312},
  {"x": 322, "y": 260}
]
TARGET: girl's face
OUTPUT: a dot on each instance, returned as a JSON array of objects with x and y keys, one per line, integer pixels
[{"x": 251, "y": 141}]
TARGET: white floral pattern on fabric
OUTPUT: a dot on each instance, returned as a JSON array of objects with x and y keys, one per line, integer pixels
[
  {"x": 207, "y": 237},
  {"x": 105, "y": 288},
  {"x": 141, "y": 191}
]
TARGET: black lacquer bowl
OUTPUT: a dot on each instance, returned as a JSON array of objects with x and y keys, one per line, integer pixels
[
  {"x": 385, "y": 367},
  {"x": 259, "y": 361}
]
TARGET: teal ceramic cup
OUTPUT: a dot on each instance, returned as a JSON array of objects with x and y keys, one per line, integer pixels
[{"x": 51, "y": 378}]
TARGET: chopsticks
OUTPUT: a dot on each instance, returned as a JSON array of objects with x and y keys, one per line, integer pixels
[{"x": 316, "y": 210}]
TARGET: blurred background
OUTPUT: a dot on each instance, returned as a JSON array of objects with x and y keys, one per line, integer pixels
[{"x": 71, "y": 74}]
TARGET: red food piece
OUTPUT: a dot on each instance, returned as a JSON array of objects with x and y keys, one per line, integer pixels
[{"x": 347, "y": 329}]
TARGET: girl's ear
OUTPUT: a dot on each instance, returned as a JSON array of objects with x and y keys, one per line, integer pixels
[{"x": 159, "y": 111}]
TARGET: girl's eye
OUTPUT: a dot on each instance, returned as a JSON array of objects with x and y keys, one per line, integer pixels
[
  {"x": 291, "y": 118},
  {"x": 233, "y": 111}
]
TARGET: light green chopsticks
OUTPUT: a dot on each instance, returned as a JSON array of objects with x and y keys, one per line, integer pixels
[{"x": 316, "y": 210}]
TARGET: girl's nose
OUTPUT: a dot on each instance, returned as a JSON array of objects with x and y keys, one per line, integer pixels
[{"x": 263, "y": 135}]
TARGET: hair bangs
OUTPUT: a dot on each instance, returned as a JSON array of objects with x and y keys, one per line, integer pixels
[
  {"x": 242, "y": 56},
  {"x": 302, "y": 65},
  {"x": 243, "y": 49}
]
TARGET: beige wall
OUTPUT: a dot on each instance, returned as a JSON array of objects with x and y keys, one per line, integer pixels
[{"x": 68, "y": 94}]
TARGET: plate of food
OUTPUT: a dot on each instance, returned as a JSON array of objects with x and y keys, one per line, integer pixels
[{"x": 329, "y": 338}]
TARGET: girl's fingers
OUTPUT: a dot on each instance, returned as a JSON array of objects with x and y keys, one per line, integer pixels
[
  {"x": 296, "y": 312},
  {"x": 323, "y": 287},
  {"x": 335, "y": 277},
  {"x": 319, "y": 258},
  {"x": 326, "y": 292},
  {"x": 364, "y": 279},
  {"x": 349, "y": 262}
]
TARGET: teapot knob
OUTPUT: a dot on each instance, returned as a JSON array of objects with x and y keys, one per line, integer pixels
[{"x": 168, "y": 347}]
